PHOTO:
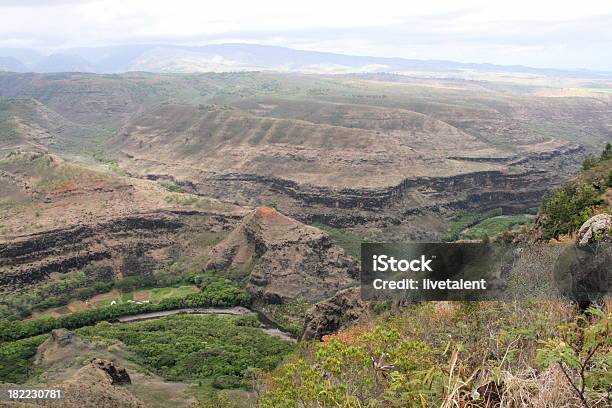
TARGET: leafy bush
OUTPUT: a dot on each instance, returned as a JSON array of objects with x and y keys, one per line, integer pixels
[
  {"x": 16, "y": 357},
  {"x": 566, "y": 209},
  {"x": 173, "y": 188},
  {"x": 583, "y": 352},
  {"x": 405, "y": 361}
]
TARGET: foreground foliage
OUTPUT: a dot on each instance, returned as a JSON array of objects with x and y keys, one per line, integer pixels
[
  {"x": 563, "y": 211},
  {"x": 567, "y": 209},
  {"x": 475, "y": 355}
]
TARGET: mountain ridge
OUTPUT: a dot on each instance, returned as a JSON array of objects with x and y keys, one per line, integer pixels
[{"x": 240, "y": 57}]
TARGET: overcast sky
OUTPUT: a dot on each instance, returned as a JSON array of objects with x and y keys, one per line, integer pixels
[{"x": 557, "y": 34}]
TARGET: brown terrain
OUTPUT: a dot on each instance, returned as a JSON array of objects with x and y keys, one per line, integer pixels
[
  {"x": 374, "y": 165},
  {"x": 388, "y": 157},
  {"x": 116, "y": 175}
]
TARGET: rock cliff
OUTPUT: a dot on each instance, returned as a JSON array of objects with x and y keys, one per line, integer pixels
[{"x": 283, "y": 259}]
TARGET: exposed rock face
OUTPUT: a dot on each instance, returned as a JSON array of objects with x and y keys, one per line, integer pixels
[
  {"x": 330, "y": 315},
  {"x": 32, "y": 257},
  {"x": 123, "y": 242},
  {"x": 118, "y": 375},
  {"x": 285, "y": 259},
  {"x": 583, "y": 270},
  {"x": 98, "y": 385},
  {"x": 345, "y": 165},
  {"x": 595, "y": 229},
  {"x": 62, "y": 337}
]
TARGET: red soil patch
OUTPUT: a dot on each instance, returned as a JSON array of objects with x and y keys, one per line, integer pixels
[
  {"x": 142, "y": 295},
  {"x": 349, "y": 337},
  {"x": 107, "y": 295},
  {"x": 70, "y": 186},
  {"x": 266, "y": 212}
]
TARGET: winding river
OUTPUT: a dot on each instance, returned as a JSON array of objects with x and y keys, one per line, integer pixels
[{"x": 268, "y": 326}]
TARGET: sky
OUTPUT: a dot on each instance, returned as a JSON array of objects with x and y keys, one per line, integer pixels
[{"x": 538, "y": 33}]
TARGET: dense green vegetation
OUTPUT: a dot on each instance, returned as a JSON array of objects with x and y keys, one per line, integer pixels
[
  {"x": 563, "y": 211},
  {"x": 56, "y": 292},
  {"x": 215, "y": 293},
  {"x": 83, "y": 284},
  {"x": 16, "y": 358},
  {"x": 475, "y": 355},
  {"x": 214, "y": 350},
  {"x": 495, "y": 225},
  {"x": 466, "y": 220}
]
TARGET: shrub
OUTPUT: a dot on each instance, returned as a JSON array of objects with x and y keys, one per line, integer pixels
[
  {"x": 173, "y": 188},
  {"x": 589, "y": 162},
  {"x": 565, "y": 210},
  {"x": 406, "y": 361},
  {"x": 15, "y": 359},
  {"x": 583, "y": 352}
]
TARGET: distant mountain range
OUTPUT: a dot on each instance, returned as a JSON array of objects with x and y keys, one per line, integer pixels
[{"x": 236, "y": 57}]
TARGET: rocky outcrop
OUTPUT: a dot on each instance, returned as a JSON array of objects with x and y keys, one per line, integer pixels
[
  {"x": 60, "y": 344},
  {"x": 595, "y": 229},
  {"x": 330, "y": 315},
  {"x": 99, "y": 384},
  {"x": 123, "y": 242},
  {"x": 284, "y": 259},
  {"x": 582, "y": 270},
  {"x": 493, "y": 183},
  {"x": 116, "y": 374},
  {"x": 30, "y": 258}
]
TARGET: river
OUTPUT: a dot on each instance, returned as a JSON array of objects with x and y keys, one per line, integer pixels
[{"x": 268, "y": 326}]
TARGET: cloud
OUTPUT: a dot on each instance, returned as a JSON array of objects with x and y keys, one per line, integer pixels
[
  {"x": 524, "y": 32},
  {"x": 39, "y": 3}
]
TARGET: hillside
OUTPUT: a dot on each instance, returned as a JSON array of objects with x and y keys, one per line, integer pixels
[
  {"x": 342, "y": 164},
  {"x": 535, "y": 353},
  {"x": 170, "y": 240}
]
